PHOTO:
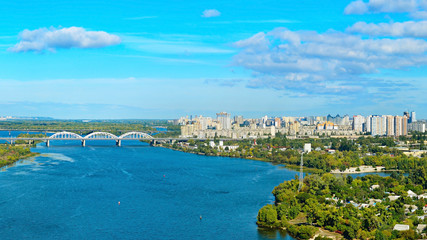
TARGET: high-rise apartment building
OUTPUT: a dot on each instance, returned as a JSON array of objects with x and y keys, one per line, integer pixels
[
  {"x": 390, "y": 125},
  {"x": 224, "y": 120},
  {"x": 413, "y": 117},
  {"x": 400, "y": 126},
  {"x": 378, "y": 126},
  {"x": 277, "y": 122},
  {"x": 358, "y": 122},
  {"x": 406, "y": 114},
  {"x": 368, "y": 124}
]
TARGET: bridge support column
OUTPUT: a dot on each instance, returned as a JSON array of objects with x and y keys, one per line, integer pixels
[
  {"x": 118, "y": 143},
  {"x": 83, "y": 143},
  {"x": 47, "y": 143}
]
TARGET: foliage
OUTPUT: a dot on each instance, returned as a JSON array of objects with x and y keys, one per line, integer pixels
[
  {"x": 10, "y": 154},
  {"x": 334, "y": 203},
  {"x": 267, "y": 215},
  {"x": 371, "y": 151}
]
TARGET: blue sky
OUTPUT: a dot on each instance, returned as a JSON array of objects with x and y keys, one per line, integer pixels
[{"x": 164, "y": 59}]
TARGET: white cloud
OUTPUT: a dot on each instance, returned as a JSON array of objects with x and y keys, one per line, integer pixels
[
  {"x": 51, "y": 39},
  {"x": 398, "y": 29},
  {"x": 356, "y": 7},
  {"x": 378, "y": 6},
  {"x": 208, "y": 13},
  {"x": 324, "y": 63},
  {"x": 419, "y": 14}
]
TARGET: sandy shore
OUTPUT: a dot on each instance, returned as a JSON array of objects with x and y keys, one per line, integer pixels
[{"x": 363, "y": 169}]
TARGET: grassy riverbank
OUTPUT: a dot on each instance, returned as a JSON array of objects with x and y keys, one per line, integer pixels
[{"x": 10, "y": 154}]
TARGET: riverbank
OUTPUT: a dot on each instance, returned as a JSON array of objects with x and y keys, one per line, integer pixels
[
  {"x": 9, "y": 154},
  {"x": 360, "y": 169},
  {"x": 288, "y": 166}
]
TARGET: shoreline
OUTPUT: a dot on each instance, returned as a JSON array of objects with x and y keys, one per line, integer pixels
[
  {"x": 362, "y": 169},
  {"x": 281, "y": 165},
  {"x": 9, "y": 162}
]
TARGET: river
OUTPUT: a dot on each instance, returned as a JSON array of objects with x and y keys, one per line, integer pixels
[{"x": 134, "y": 192}]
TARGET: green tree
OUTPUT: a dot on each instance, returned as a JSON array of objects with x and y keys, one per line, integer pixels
[{"x": 267, "y": 214}]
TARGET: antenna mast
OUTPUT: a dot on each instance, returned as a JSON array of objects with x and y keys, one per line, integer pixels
[{"x": 301, "y": 172}]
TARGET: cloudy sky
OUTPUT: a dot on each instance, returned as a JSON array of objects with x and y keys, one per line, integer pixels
[{"x": 164, "y": 59}]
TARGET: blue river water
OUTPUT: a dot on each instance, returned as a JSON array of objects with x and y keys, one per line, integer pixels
[{"x": 134, "y": 192}]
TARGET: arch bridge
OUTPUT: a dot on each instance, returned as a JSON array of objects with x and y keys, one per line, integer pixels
[{"x": 98, "y": 136}]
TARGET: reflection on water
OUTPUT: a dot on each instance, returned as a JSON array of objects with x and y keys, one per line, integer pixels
[{"x": 266, "y": 234}]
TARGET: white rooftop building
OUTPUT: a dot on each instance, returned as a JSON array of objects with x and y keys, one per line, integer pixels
[
  {"x": 401, "y": 227},
  {"x": 411, "y": 194},
  {"x": 307, "y": 147}
]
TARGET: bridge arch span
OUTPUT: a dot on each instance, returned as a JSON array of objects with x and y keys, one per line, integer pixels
[
  {"x": 135, "y": 135},
  {"x": 66, "y": 135},
  {"x": 100, "y": 135}
]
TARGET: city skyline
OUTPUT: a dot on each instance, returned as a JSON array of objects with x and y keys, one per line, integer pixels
[{"x": 145, "y": 60}]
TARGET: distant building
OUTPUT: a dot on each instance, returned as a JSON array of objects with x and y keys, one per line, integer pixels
[
  {"x": 390, "y": 125},
  {"x": 378, "y": 125},
  {"x": 238, "y": 119},
  {"x": 326, "y": 126},
  {"x": 417, "y": 127},
  {"x": 368, "y": 124},
  {"x": 307, "y": 147},
  {"x": 338, "y": 120},
  {"x": 400, "y": 126},
  {"x": 413, "y": 117},
  {"x": 406, "y": 114},
  {"x": 224, "y": 120},
  {"x": 277, "y": 122},
  {"x": 358, "y": 122}
]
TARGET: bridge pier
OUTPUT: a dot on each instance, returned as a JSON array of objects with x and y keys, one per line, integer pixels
[
  {"x": 119, "y": 143},
  {"x": 83, "y": 143},
  {"x": 47, "y": 143}
]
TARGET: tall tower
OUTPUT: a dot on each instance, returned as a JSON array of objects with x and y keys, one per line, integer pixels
[{"x": 413, "y": 117}]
